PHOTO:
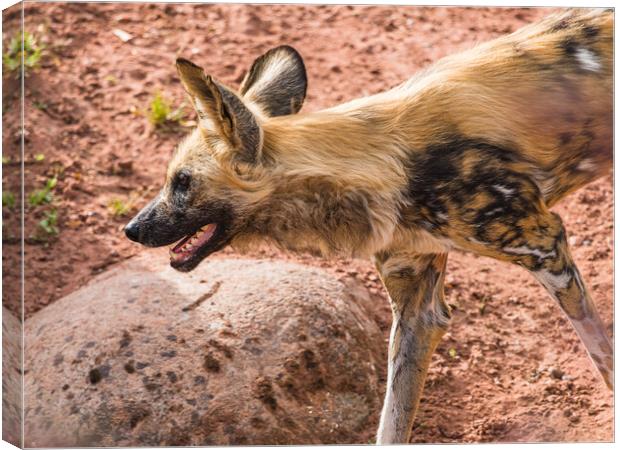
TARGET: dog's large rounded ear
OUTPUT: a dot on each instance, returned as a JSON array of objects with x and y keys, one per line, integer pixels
[
  {"x": 277, "y": 82},
  {"x": 220, "y": 111}
]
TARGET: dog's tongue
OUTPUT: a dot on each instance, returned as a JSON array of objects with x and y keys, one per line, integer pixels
[{"x": 190, "y": 244}]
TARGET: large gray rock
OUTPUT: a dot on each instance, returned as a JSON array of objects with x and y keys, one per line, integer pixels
[
  {"x": 11, "y": 378},
  {"x": 236, "y": 352}
]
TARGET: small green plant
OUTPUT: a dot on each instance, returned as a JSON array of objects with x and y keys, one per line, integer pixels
[
  {"x": 8, "y": 199},
  {"x": 119, "y": 207},
  {"x": 161, "y": 114},
  {"x": 43, "y": 195},
  {"x": 49, "y": 225},
  {"x": 6, "y": 160},
  {"x": 452, "y": 353},
  {"x": 42, "y": 106},
  {"x": 32, "y": 52},
  {"x": 39, "y": 157},
  {"x": 122, "y": 207}
]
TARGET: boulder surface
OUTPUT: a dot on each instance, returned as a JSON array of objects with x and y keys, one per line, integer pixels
[
  {"x": 11, "y": 378},
  {"x": 235, "y": 352}
]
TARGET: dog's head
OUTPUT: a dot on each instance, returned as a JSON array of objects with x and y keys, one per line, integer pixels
[{"x": 211, "y": 183}]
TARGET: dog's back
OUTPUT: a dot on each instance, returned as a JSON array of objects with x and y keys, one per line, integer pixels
[
  {"x": 543, "y": 93},
  {"x": 556, "y": 78}
]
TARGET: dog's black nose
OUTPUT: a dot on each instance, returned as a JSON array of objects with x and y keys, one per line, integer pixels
[{"x": 132, "y": 231}]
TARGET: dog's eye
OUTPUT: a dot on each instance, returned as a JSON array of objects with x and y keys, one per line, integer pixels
[{"x": 182, "y": 181}]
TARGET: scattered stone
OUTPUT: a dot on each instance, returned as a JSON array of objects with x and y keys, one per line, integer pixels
[
  {"x": 122, "y": 35},
  {"x": 556, "y": 373}
]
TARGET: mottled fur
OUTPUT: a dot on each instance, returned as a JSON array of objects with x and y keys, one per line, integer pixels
[{"x": 469, "y": 154}]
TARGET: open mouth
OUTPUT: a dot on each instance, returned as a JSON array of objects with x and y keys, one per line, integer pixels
[{"x": 188, "y": 247}]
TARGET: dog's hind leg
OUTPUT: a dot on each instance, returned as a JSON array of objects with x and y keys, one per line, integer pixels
[
  {"x": 537, "y": 241},
  {"x": 420, "y": 317},
  {"x": 563, "y": 281}
]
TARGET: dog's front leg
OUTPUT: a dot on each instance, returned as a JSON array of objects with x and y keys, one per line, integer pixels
[{"x": 420, "y": 317}]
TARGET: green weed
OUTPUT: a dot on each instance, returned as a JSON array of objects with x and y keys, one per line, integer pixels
[
  {"x": 32, "y": 53},
  {"x": 43, "y": 195},
  {"x": 119, "y": 207},
  {"x": 49, "y": 225},
  {"x": 161, "y": 114},
  {"x": 8, "y": 199}
]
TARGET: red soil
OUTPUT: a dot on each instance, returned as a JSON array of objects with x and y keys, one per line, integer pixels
[{"x": 493, "y": 377}]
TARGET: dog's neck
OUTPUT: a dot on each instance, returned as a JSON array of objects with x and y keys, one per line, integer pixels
[{"x": 335, "y": 184}]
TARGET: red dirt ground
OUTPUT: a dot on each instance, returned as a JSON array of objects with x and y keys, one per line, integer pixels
[{"x": 491, "y": 379}]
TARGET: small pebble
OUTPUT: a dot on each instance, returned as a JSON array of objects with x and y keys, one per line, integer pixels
[{"x": 557, "y": 373}]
